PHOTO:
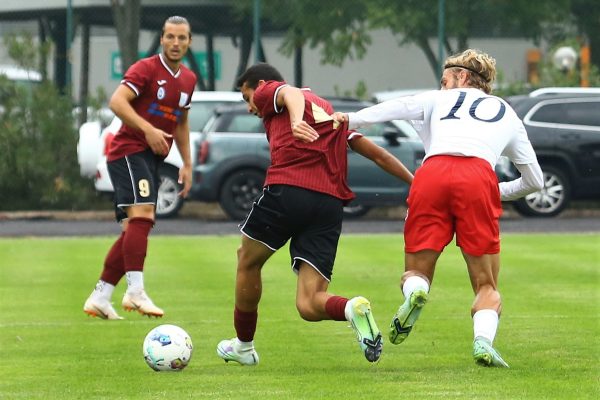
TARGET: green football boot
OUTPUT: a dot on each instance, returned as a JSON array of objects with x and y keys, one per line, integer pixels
[
  {"x": 407, "y": 315},
  {"x": 358, "y": 313},
  {"x": 485, "y": 355}
]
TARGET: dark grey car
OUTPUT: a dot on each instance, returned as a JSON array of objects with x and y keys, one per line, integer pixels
[
  {"x": 564, "y": 129},
  {"x": 233, "y": 156}
]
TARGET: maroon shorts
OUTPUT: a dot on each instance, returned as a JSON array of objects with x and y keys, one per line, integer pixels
[{"x": 454, "y": 195}]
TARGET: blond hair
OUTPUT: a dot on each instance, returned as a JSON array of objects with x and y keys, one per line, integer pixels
[{"x": 482, "y": 68}]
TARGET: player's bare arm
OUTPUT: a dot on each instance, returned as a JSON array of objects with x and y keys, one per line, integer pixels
[
  {"x": 293, "y": 99},
  {"x": 120, "y": 104},
  {"x": 182, "y": 140},
  {"x": 380, "y": 156}
]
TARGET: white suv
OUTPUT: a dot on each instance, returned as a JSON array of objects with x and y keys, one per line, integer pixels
[{"x": 94, "y": 141}]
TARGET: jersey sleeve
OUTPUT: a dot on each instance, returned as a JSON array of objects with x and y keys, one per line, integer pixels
[
  {"x": 137, "y": 77},
  {"x": 408, "y": 108},
  {"x": 519, "y": 150},
  {"x": 192, "y": 85},
  {"x": 265, "y": 98}
]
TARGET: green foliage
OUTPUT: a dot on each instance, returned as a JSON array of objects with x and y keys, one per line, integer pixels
[
  {"x": 51, "y": 350},
  {"x": 38, "y": 140},
  {"x": 360, "y": 91},
  {"x": 339, "y": 26}
]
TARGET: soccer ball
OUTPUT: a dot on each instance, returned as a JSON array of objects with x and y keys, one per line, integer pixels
[{"x": 167, "y": 348}]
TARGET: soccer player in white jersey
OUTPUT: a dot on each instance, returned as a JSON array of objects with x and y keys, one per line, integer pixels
[{"x": 456, "y": 192}]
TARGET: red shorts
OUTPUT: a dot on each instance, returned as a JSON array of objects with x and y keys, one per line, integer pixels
[{"x": 454, "y": 195}]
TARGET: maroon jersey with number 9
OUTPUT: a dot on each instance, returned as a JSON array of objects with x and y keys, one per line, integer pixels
[{"x": 161, "y": 97}]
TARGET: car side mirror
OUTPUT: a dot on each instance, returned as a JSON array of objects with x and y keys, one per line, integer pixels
[{"x": 391, "y": 136}]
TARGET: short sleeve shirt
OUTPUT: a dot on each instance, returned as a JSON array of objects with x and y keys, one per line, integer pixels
[
  {"x": 321, "y": 165},
  {"x": 161, "y": 97}
]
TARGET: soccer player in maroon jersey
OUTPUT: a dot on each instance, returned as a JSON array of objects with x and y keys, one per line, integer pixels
[
  {"x": 152, "y": 101},
  {"x": 302, "y": 201}
]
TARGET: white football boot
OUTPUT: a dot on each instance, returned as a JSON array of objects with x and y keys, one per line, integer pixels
[
  {"x": 101, "y": 308},
  {"x": 140, "y": 302}
]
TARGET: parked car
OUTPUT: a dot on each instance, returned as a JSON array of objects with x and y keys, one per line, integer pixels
[
  {"x": 20, "y": 75},
  {"x": 233, "y": 156},
  {"x": 563, "y": 125},
  {"x": 94, "y": 142}
]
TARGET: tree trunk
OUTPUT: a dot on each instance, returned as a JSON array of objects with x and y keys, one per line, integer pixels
[
  {"x": 423, "y": 44},
  {"x": 126, "y": 15},
  {"x": 298, "y": 66}
]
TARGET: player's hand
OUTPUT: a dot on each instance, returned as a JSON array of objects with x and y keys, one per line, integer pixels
[
  {"x": 339, "y": 117},
  {"x": 185, "y": 179},
  {"x": 157, "y": 140},
  {"x": 301, "y": 130}
]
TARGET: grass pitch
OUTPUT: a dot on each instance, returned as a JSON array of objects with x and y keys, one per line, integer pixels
[{"x": 549, "y": 333}]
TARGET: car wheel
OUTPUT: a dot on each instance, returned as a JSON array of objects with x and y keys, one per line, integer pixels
[
  {"x": 549, "y": 201},
  {"x": 355, "y": 210},
  {"x": 169, "y": 202},
  {"x": 239, "y": 191}
]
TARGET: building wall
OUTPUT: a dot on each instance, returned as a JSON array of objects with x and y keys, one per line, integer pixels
[{"x": 386, "y": 66}]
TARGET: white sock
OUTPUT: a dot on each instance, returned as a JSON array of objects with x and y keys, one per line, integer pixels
[
  {"x": 413, "y": 283},
  {"x": 135, "y": 281},
  {"x": 485, "y": 324},
  {"x": 244, "y": 346},
  {"x": 103, "y": 290}
]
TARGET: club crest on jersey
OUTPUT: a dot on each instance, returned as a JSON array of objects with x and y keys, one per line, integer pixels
[
  {"x": 160, "y": 94},
  {"x": 183, "y": 99}
]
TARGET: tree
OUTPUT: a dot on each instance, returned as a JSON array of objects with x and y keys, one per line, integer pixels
[
  {"x": 38, "y": 139},
  {"x": 126, "y": 14},
  {"x": 342, "y": 27},
  {"x": 587, "y": 19},
  {"x": 415, "y": 21}
]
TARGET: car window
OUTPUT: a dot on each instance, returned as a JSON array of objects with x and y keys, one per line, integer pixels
[
  {"x": 549, "y": 113},
  {"x": 573, "y": 113},
  {"x": 241, "y": 123},
  {"x": 200, "y": 113},
  {"x": 584, "y": 113},
  {"x": 246, "y": 123}
]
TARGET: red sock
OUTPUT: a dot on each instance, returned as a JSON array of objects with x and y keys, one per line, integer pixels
[
  {"x": 335, "y": 306},
  {"x": 113, "y": 263},
  {"x": 135, "y": 243},
  {"x": 245, "y": 324}
]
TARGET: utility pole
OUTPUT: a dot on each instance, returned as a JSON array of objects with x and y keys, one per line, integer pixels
[
  {"x": 257, "y": 48},
  {"x": 69, "y": 39}
]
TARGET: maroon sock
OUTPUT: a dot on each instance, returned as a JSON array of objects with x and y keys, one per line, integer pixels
[
  {"x": 135, "y": 243},
  {"x": 335, "y": 306},
  {"x": 245, "y": 324},
  {"x": 113, "y": 263}
]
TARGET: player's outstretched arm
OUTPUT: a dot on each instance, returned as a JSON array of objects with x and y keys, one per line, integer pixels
[{"x": 380, "y": 156}]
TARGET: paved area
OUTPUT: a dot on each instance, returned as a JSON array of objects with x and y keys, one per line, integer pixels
[{"x": 202, "y": 219}]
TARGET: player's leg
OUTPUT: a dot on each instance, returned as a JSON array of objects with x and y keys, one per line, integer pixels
[
  {"x": 486, "y": 308},
  {"x": 135, "y": 179},
  {"x": 477, "y": 209},
  {"x": 312, "y": 296},
  {"x": 258, "y": 244},
  {"x": 135, "y": 246},
  {"x": 314, "y": 303},
  {"x": 313, "y": 250},
  {"x": 416, "y": 281},
  {"x": 99, "y": 303},
  {"x": 428, "y": 229},
  {"x": 252, "y": 255}
]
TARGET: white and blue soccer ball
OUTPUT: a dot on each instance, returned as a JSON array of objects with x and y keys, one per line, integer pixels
[{"x": 167, "y": 348}]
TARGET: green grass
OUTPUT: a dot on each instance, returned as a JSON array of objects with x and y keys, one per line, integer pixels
[{"x": 549, "y": 333}]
